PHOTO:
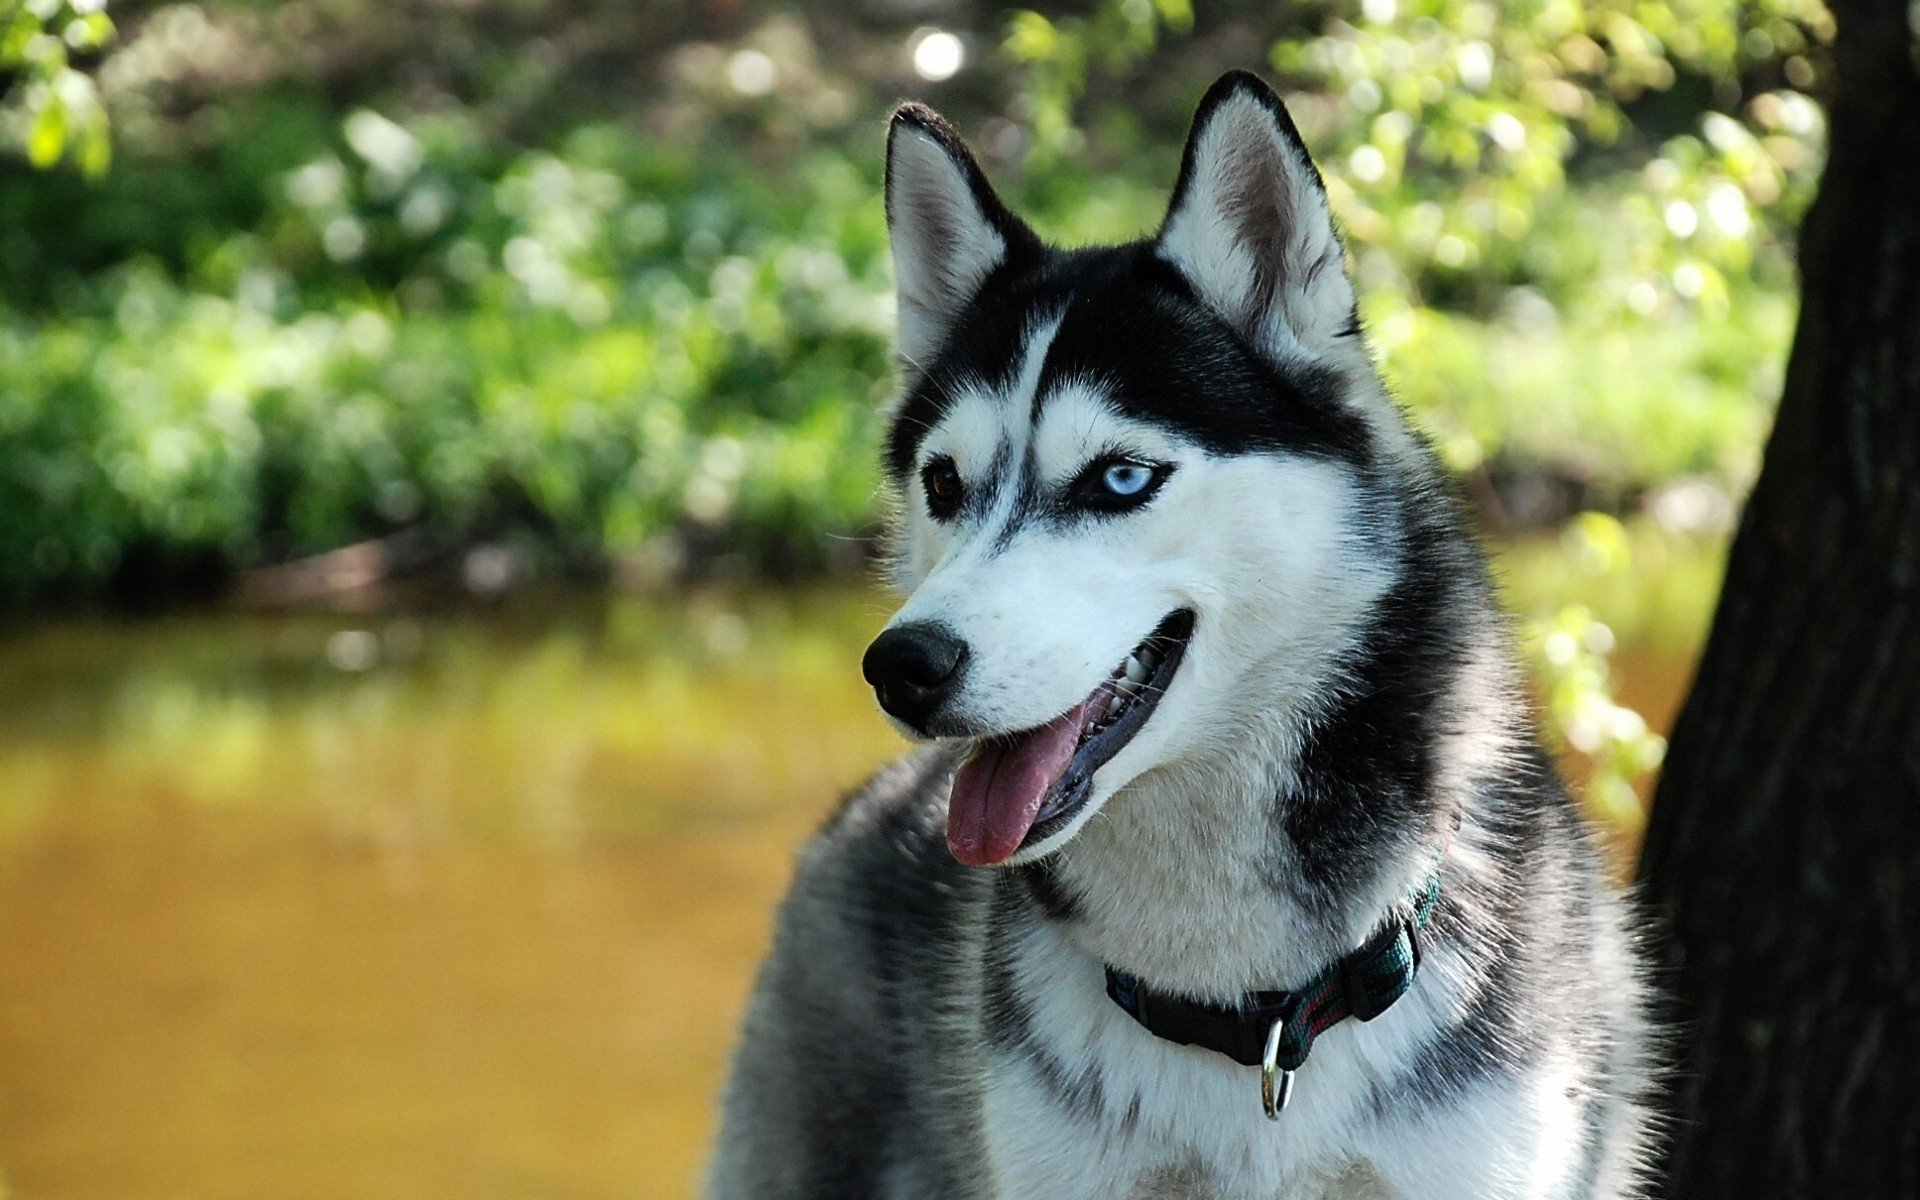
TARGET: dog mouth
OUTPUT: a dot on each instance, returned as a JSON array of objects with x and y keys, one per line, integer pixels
[{"x": 1016, "y": 790}]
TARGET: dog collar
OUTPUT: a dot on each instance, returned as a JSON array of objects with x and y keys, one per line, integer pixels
[{"x": 1275, "y": 1030}]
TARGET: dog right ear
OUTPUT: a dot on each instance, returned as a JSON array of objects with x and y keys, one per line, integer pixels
[{"x": 948, "y": 229}]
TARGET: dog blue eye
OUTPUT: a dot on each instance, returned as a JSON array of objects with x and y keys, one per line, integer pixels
[
  {"x": 1117, "y": 484},
  {"x": 1127, "y": 478}
]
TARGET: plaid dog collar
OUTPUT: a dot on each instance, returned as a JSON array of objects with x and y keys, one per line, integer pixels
[{"x": 1275, "y": 1030}]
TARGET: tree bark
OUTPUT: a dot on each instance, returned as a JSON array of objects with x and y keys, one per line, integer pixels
[{"x": 1783, "y": 851}]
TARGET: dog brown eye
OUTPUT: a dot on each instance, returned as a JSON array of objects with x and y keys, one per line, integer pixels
[{"x": 941, "y": 479}]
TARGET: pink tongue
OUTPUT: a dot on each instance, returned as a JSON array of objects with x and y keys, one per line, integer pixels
[{"x": 998, "y": 791}]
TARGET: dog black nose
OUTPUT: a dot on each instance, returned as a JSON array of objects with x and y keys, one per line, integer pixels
[{"x": 913, "y": 669}]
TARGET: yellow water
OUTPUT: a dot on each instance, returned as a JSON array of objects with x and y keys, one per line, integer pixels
[
  {"x": 439, "y": 907},
  {"x": 468, "y": 918}
]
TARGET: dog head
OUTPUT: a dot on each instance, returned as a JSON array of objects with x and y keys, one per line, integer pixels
[{"x": 1133, "y": 481}]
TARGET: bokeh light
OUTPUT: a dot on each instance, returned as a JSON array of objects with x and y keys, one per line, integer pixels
[{"x": 937, "y": 55}]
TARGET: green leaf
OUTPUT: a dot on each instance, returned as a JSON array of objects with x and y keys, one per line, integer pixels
[
  {"x": 47, "y": 136},
  {"x": 1177, "y": 14}
]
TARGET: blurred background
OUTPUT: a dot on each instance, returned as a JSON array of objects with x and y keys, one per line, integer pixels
[{"x": 437, "y": 489}]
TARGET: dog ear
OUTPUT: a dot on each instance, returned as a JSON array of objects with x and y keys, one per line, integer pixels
[
  {"x": 948, "y": 229},
  {"x": 1249, "y": 225}
]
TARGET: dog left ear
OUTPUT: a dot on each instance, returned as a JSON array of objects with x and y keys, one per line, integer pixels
[{"x": 1249, "y": 225}]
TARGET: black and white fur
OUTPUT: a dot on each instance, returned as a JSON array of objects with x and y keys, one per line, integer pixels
[{"x": 1348, "y": 698}]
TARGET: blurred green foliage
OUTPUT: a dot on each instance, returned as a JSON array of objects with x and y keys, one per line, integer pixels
[
  {"x": 1570, "y": 647},
  {"x": 550, "y": 343},
  {"x": 618, "y": 278},
  {"x": 48, "y": 108}
]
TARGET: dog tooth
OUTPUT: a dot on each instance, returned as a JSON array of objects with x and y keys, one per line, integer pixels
[{"x": 1136, "y": 670}]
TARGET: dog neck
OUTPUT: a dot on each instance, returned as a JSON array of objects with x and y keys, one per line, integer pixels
[
  {"x": 1255, "y": 865},
  {"x": 1197, "y": 888}
]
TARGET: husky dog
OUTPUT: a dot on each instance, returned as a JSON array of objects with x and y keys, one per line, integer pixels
[{"x": 1230, "y": 762}]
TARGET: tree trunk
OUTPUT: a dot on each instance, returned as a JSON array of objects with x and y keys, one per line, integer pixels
[{"x": 1784, "y": 848}]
